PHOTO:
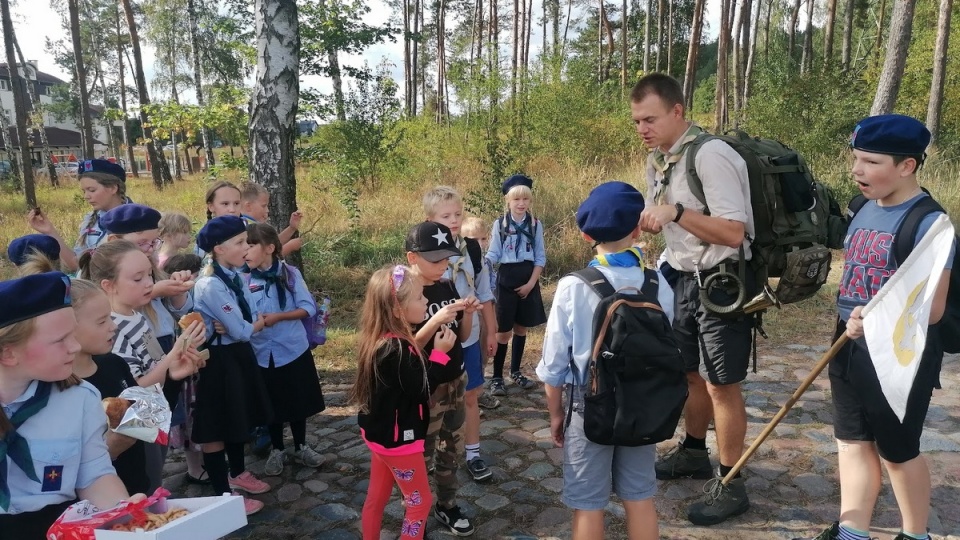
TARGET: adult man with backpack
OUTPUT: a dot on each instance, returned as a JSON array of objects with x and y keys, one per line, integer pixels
[{"x": 701, "y": 240}]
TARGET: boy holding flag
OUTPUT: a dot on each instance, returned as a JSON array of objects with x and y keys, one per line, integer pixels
[{"x": 871, "y": 426}]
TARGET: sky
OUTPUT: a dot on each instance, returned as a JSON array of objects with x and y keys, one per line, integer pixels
[{"x": 35, "y": 21}]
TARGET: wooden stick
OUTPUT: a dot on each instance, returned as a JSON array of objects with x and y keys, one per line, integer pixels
[{"x": 822, "y": 363}]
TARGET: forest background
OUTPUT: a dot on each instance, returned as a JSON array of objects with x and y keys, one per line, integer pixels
[{"x": 487, "y": 88}]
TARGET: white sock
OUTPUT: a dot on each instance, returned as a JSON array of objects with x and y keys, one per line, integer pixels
[{"x": 473, "y": 451}]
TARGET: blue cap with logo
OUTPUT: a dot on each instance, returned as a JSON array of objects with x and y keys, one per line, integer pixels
[
  {"x": 218, "y": 230},
  {"x": 611, "y": 211},
  {"x": 101, "y": 166},
  {"x": 21, "y": 248},
  {"x": 31, "y": 296},
  {"x": 130, "y": 218},
  {"x": 893, "y": 134}
]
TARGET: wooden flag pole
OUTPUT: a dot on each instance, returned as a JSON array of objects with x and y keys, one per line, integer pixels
[{"x": 822, "y": 363}]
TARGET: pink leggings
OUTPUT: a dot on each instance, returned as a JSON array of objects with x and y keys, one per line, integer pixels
[{"x": 410, "y": 474}]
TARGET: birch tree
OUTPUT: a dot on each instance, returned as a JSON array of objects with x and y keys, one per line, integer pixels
[
  {"x": 18, "y": 85},
  {"x": 274, "y": 104},
  {"x": 939, "y": 68},
  {"x": 898, "y": 44},
  {"x": 197, "y": 85},
  {"x": 693, "y": 52},
  {"x": 131, "y": 160},
  {"x": 847, "y": 35},
  {"x": 720, "y": 100},
  {"x": 37, "y": 118}
]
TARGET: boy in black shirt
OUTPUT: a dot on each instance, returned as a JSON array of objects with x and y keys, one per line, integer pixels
[{"x": 429, "y": 245}]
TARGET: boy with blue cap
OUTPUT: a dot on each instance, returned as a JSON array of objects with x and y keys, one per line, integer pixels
[
  {"x": 609, "y": 218},
  {"x": 887, "y": 152}
]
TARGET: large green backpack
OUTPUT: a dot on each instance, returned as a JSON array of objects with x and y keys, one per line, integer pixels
[{"x": 796, "y": 219}]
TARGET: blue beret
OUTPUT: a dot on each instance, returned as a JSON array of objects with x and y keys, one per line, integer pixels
[
  {"x": 219, "y": 230},
  {"x": 130, "y": 218},
  {"x": 516, "y": 180},
  {"x": 892, "y": 134},
  {"x": 101, "y": 166},
  {"x": 31, "y": 296},
  {"x": 22, "y": 247},
  {"x": 611, "y": 211}
]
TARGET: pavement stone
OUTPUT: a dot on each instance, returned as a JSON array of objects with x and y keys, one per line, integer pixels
[{"x": 792, "y": 479}]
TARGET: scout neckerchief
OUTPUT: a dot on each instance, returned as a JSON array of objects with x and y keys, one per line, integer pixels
[
  {"x": 524, "y": 229},
  {"x": 628, "y": 258},
  {"x": 457, "y": 266},
  {"x": 236, "y": 286},
  {"x": 272, "y": 277},
  {"x": 663, "y": 162},
  {"x": 14, "y": 445}
]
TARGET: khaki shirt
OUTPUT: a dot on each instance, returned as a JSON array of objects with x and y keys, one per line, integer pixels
[{"x": 727, "y": 190}]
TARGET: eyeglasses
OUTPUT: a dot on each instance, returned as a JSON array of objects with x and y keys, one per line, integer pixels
[{"x": 149, "y": 244}]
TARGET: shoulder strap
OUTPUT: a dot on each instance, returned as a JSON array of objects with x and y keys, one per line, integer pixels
[
  {"x": 596, "y": 280},
  {"x": 911, "y": 224},
  {"x": 694, "y": 183},
  {"x": 651, "y": 285},
  {"x": 476, "y": 255},
  {"x": 855, "y": 205}
]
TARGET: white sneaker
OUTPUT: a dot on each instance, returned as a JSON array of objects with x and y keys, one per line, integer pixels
[
  {"x": 274, "y": 465},
  {"x": 307, "y": 457}
]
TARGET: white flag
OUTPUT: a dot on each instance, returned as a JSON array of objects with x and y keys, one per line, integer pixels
[{"x": 895, "y": 321}]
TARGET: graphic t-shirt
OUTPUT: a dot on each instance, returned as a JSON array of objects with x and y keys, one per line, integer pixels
[
  {"x": 438, "y": 295},
  {"x": 135, "y": 343}
]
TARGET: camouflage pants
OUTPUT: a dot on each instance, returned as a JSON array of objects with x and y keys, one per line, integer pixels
[{"x": 444, "y": 443}]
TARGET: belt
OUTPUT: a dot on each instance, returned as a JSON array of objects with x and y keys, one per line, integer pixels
[{"x": 732, "y": 264}]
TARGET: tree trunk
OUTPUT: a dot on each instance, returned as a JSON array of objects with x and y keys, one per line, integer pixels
[
  {"x": 335, "y": 76},
  {"x": 86, "y": 127},
  {"x": 18, "y": 85},
  {"x": 611, "y": 46},
  {"x": 880, "y": 21},
  {"x": 847, "y": 35},
  {"x": 516, "y": 51},
  {"x": 197, "y": 84},
  {"x": 693, "y": 51},
  {"x": 739, "y": 61},
  {"x": 829, "y": 24},
  {"x": 720, "y": 101},
  {"x": 751, "y": 58},
  {"x": 8, "y": 146},
  {"x": 407, "y": 64},
  {"x": 794, "y": 18},
  {"x": 646, "y": 36},
  {"x": 898, "y": 43},
  {"x": 159, "y": 169},
  {"x": 131, "y": 159},
  {"x": 939, "y": 68},
  {"x": 439, "y": 19},
  {"x": 623, "y": 47},
  {"x": 670, "y": 38},
  {"x": 806, "y": 59},
  {"x": 415, "y": 58},
  {"x": 526, "y": 46},
  {"x": 186, "y": 153},
  {"x": 766, "y": 31},
  {"x": 274, "y": 105},
  {"x": 661, "y": 9},
  {"x": 37, "y": 110}
]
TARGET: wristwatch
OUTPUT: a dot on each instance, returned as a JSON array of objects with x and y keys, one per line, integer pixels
[{"x": 679, "y": 212}]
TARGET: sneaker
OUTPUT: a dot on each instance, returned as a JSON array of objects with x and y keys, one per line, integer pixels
[
  {"x": 486, "y": 401},
  {"x": 249, "y": 483},
  {"x": 497, "y": 388},
  {"x": 522, "y": 381},
  {"x": 453, "y": 519},
  {"x": 902, "y": 536},
  {"x": 308, "y": 457},
  {"x": 830, "y": 533},
  {"x": 261, "y": 444},
  {"x": 720, "y": 502},
  {"x": 478, "y": 469},
  {"x": 682, "y": 462},
  {"x": 250, "y": 506},
  {"x": 274, "y": 465}
]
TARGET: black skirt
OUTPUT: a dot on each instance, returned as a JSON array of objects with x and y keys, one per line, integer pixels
[
  {"x": 294, "y": 389},
  {"x": 231, "y": 397},
  {"x": 31, "y": 525}
]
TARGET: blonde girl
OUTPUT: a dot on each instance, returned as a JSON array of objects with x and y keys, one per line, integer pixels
[
  {"x": 516, "y": 245},
  {"x": 176, "y": 232},
  {"x": 393, "y": 395}
]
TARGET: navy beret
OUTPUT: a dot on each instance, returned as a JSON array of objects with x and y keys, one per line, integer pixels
[
  {"x": 130, "y": 218},
  {"x": 218, "y": 230},
  {"x": 22, "y": 247},
  {"x": 893, "y": 134},
  {"x": 101, "y": 166},
  {"x": 611, "y": 211},
  {"x": 31, "y": 296},
  {"x": 516, "y": 180}
]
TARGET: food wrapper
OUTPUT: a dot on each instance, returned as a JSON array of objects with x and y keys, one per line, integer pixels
[
  {"x": 80, "y": 520},
  {"x": 148, "y": 418}
]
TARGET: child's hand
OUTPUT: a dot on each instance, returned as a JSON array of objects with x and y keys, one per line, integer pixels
[
  {"x": 117, "y": 443},
  {"x": 855, "y": 323},
  {"x": 448, "y": 313},
  {"x": 219, "y": 328},
  {"x": 194, "y": 336},
  {"x": 295, "y": 219},
  {"x": 39, "y": 222},
  {"x": 182, "y": 363},
  {"x": 294, "y": 244},
  {"x": 172, "y": 287},
  {"x": 556, "y": 430},
  {"x": 525, "y": 289},
  {"x": 444, "y": 340},
  {"x": 270, "y": 319},
  {"x": 471, "y": 305},
  {"x": 259, "y": 323}
]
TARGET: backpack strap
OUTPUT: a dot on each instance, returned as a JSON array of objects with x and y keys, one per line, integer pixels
[
  {"x": 694, "y": 183},
  {"x": 911, "y": 224},
  {"x": 476, "y": 255},
  {"x": 595, "y": 279}
]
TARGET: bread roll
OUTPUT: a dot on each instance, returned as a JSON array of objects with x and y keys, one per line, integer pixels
[
  {"x": 189, "y": 318},
  {"x": 115, "y": 409}
]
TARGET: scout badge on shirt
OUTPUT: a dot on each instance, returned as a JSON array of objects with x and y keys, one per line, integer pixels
[
  {"x": 227, "y": 308},
  {"x": 52, "y": 478},
  {"x": 256, "y": 288}
]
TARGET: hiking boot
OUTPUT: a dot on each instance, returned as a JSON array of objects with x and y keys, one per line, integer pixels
[
  {"x": 453, "y": 519},
  {"x": 249, "y": 483},
  {"x": 486, "y": 401},
  {"x": 308, "y": 457},
  {"x": 830, "y": 533},
  {"x": 522, "y": 381},
  {"x": 720, "y": 502},
  {"x": 274, "y": 464},
  {"x": 478, "y": 469},
  {"x": 683, "y": 462},
  {"x": 497, "y": 388}
]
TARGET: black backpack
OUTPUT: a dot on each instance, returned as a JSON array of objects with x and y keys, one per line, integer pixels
[
  {"x": 949, "y": 326},
  {"x": 476, "y": 255},
  {"x": 636, "y": 382}
]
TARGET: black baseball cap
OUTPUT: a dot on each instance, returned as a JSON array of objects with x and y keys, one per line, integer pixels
[{"x": 433, "y": 241}]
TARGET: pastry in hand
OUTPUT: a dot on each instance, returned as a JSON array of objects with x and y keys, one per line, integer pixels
[
  {"x": 189, "y": 318},
  {"x": 115, "y": 409}
]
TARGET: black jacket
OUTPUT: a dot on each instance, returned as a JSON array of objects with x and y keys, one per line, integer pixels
[{"x": 400, "y": 403}]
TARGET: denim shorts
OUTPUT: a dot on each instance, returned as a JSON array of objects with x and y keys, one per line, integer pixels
[
  {"x": 592, "y": 471},
  {"x": 473, "y": 365}
]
